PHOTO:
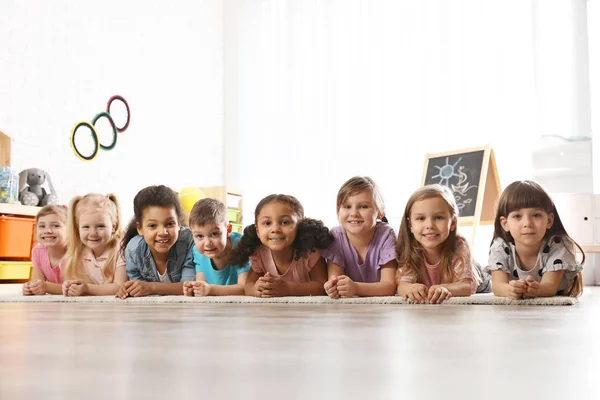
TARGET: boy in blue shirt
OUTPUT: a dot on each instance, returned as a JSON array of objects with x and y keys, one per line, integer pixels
[{"x": 214, "y": 243}]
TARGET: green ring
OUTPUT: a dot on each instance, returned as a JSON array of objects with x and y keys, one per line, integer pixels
[{"x": 112, "y": 124}]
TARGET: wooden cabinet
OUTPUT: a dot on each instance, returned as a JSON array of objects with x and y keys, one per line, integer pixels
[
  {"x": 18, "y": 269},
  {"x": 5, "y": 146},
  {"x": 11, "y": 270}
]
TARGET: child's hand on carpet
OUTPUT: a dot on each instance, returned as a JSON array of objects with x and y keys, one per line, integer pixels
[
  {"x": 331, "y": 288},
  {"x": 201, "y": 288},
  {"x": 26, "y": 290},
  {"x": 437, "y": 294},
  {"x": 271, "y": 286},
  {"x": 122, "y": 293},
  {"x": 516, "y": 289},
  {"x": 137, "y": 288},
  {"x": 73, "y": 288},
  {"x": 533, "y": 288},
  {"x": 346, "y": 287},
  {"x": 417, "y": 293},
  {"x": 188, "y": 288},
  {"x": 37, "y": 287}
]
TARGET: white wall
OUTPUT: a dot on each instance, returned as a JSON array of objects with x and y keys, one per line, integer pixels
[
  {"x": 60, "y": 62},
  {"x": 331, "y": 89},
  {"x": 594, "y": 50},
  {"x": 301, "y": 94}
]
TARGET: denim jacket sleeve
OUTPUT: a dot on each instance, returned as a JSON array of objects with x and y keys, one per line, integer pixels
[
  {"x": 134, "y": 260},
  {"x": 188, "y": 270}
]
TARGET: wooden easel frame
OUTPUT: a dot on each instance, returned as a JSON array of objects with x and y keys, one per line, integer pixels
[{"x": 485, "y": 205}]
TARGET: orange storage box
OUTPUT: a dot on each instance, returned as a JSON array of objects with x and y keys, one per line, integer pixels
[{"x": 16, "y": 235}]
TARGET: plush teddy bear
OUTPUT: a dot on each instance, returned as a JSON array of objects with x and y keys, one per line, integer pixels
[{"x": 35, "y": 194}]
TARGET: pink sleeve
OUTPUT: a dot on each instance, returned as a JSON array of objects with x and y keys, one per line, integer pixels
[
  {"x": 407, "y": 277},
  {"x": 36, "y": 255},
  {"x": 120, "y": 261},
  {"x": 312, "y": 259},
  {"x": 257, "y": 264},
  {"x": 465, "y": 272}
]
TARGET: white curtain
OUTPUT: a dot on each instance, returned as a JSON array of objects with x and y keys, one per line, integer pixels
[{"x": 326, "y": 89}]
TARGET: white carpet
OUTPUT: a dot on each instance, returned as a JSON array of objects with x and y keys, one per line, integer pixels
[{"x": 475, "y": 299}]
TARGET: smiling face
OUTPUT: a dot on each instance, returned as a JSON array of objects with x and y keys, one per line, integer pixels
[
  {"x": 358, "y": 213},
  {"x": 276, "y": 226},
  {"x": 211, "y": 239},
  {"x": 51, "y": 231},
  {"x": 431, "y": 223},
  {"x": 527, "y": 226},
  {"x": 96, "y": 230},
  {"x": 160, "y": 228}
]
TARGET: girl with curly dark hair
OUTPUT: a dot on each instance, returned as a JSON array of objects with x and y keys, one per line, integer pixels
[{"x": 284, "y": 250}]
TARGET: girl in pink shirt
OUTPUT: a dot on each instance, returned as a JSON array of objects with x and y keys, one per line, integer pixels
[
  {"x": 96, "y": 267},
  {"x": 48, "y": 257},
  {"x": 435, "y": 261},
  {"x": 283, "y": 247}
]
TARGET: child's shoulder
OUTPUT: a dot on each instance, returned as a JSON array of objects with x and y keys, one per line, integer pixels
[
  {"x": 185, "y": 239},
  {"x": 185, "y": 233},
  {"x": 501, "y": 251},
  {"x": 498, "y": 242},
  {"x": 235, "y": 238},
  {"x": 553, "y": 244},
  {"x": 134, "y": 243},
  {"x": 337, "y": 231},
  {"x": 38, "y": 249},
  {"x": 383, "y": 228}
]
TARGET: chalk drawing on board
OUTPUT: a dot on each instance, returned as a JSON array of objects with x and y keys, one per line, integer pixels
[
  {"x": 446, "y": 172},
  {"x": 461, "y": 173},
  {"x": 461, "y": 190}
]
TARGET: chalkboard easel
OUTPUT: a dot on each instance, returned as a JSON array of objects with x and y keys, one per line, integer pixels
[{"x": 472, "y": 176}]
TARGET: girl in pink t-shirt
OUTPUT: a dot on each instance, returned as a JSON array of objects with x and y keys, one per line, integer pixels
[
  {"x": 49, "y": 256},
  {"x": 435, "y": 261},
  {"x": 283, "y": 247},
  {"x": 96, "y": 266}
]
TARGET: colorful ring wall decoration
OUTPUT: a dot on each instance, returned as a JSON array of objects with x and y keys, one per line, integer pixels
[{"x": 83, "y": 128}]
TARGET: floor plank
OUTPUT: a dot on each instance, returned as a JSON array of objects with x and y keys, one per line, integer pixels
[{"x": 272, "y": 351}]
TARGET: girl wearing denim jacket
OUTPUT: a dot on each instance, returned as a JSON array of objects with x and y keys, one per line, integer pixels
[{"x": 158, "y": 250}]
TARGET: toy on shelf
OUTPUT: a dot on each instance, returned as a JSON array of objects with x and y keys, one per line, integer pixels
[
  {"x": 9, "y": 185},
  {"x": 35, "y": 194}
]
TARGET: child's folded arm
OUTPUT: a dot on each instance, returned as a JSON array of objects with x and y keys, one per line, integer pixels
[
  {"x": 53, "y": 288},
  {"x": 250, "y": 287},
  {"x": 459, "y": 288},
  {"x": 107, "y": 289},
  {"x": 549, "y": 283},
  {"x": 237, "y": 289},
  {"x": 386, "y": 285},
  {"x": 500, "y": 284},
  {"x": 318, "y": 277}
]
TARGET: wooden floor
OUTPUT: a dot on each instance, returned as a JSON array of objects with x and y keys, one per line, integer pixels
[{"x": 270, "y": 351}]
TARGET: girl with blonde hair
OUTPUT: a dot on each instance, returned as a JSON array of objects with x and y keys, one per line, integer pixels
[{"x": 96, "y": 266}]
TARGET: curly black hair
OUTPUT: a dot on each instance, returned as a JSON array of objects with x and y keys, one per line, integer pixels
[{"x": 311, "y": 234}]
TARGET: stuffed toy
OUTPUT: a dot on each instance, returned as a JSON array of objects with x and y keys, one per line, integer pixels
[{"x": 35, "y": 194}]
